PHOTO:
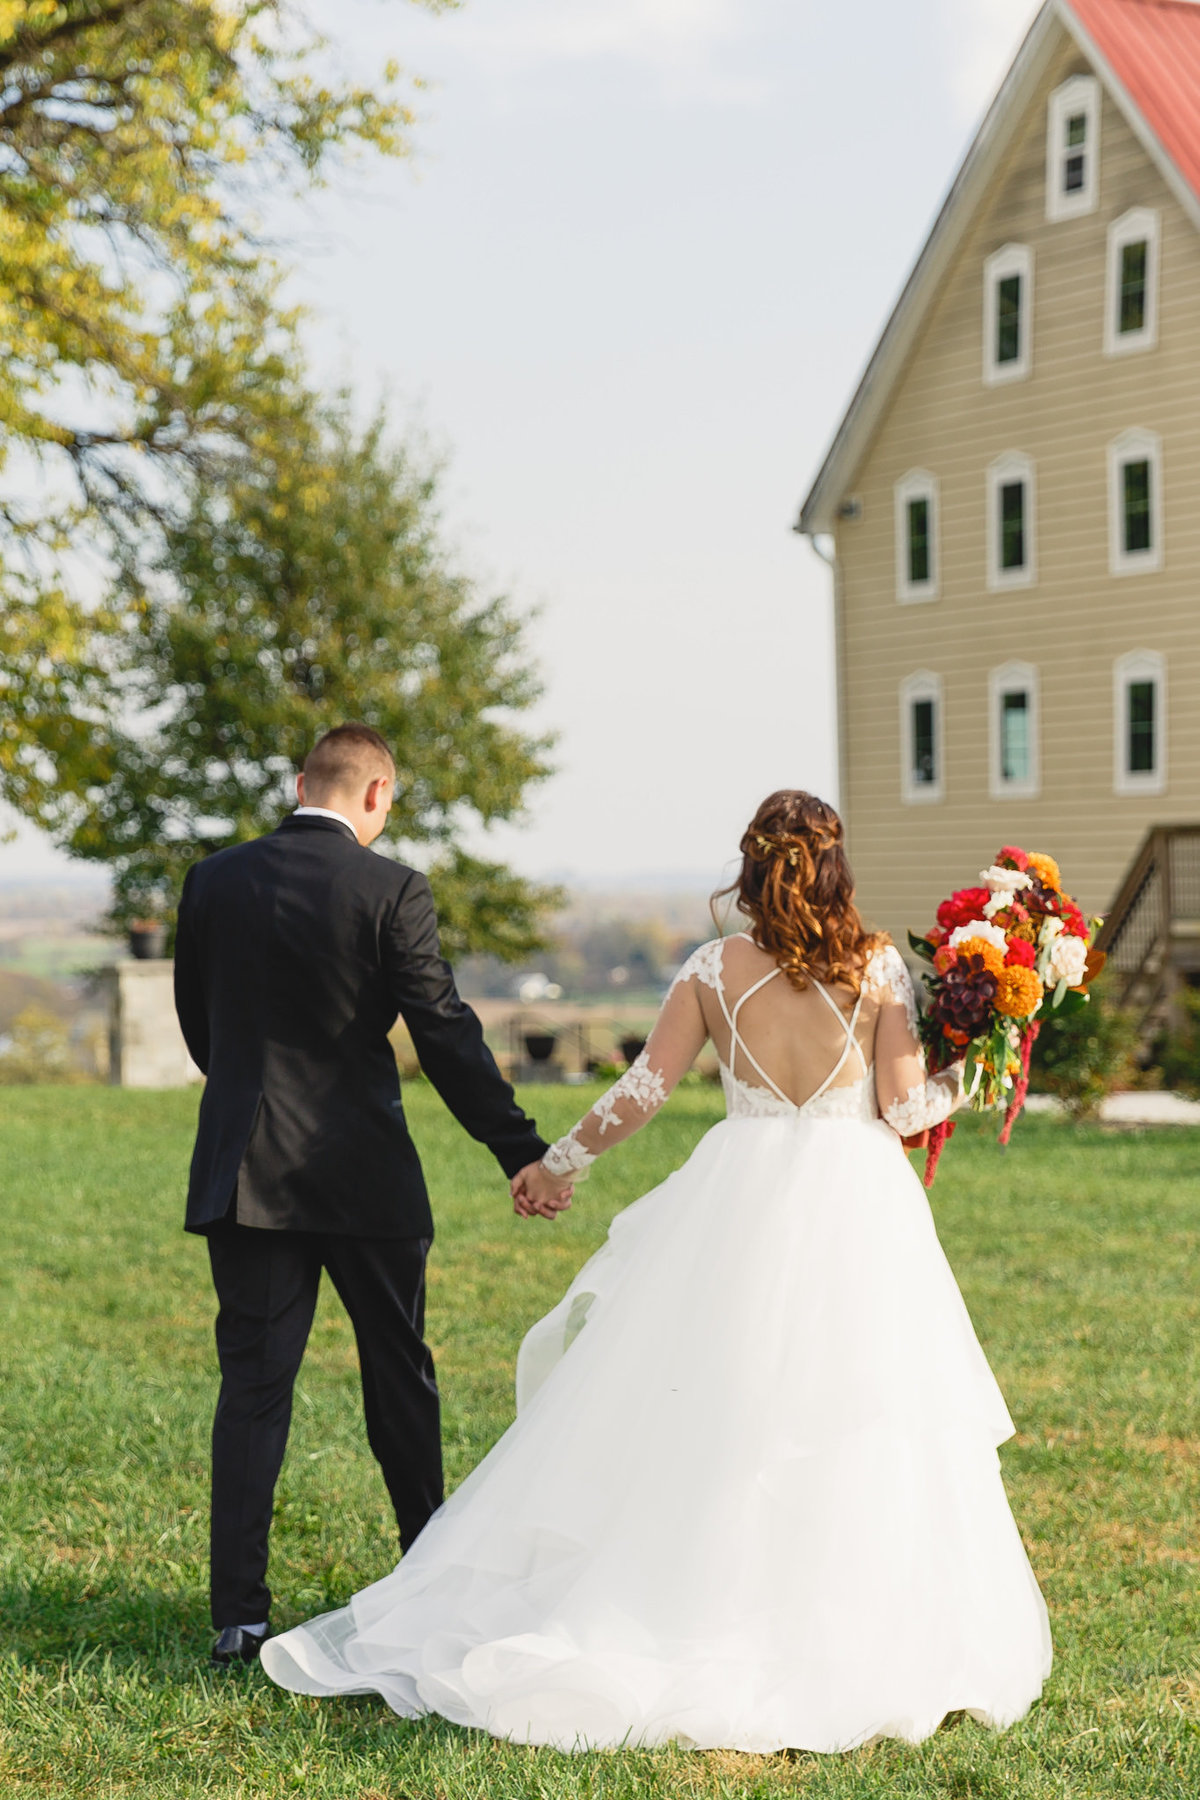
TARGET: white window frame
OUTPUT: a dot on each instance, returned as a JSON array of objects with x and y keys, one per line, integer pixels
[
  {"x": 923, "y": 685},
  {"x": 1014, "y": 677},
  {"x": 1081, "y": 94},
  {"x": 1139, "y": 666},
  {"x": 1134, "y": 446},
  {"x": 1140, "y": 225},
  {"x": 1013, "y": 259},
  {"x": 1013, "y": 466},
  {"x": 918, "y": 484}
]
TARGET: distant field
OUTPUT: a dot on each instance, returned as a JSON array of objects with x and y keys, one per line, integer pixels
[
  {"x": 1078, "y": 1252},
  {"x": 57, "y": 958}
]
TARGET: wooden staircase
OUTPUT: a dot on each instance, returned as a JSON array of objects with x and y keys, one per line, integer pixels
[{"x": 1152, "y": 931}]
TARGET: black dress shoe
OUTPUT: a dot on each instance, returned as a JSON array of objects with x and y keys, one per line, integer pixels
[{"x": 235, "y": 1645}]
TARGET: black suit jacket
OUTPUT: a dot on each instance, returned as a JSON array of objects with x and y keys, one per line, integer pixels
[{"x": 294, "y": 955}]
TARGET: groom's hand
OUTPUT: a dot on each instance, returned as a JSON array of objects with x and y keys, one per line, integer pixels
[{"x": 537, "y": 1193}]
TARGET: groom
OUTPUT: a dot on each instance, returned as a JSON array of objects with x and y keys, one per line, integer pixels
[{"x": 294, "y": 955}]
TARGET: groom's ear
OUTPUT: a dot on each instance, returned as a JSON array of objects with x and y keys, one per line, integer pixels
[
  {"x": 379, "y": 793},
  {"x": 300, "y": 787}
]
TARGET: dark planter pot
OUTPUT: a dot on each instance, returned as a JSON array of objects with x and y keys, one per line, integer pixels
[
  {"x": 148, "y": 943},
  {"x": 632, "y": 1047},
  {"x": 540, "y": 1045}
]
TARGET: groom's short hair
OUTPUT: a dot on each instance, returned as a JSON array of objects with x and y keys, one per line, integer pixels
[{"x": 345, "y": 757}]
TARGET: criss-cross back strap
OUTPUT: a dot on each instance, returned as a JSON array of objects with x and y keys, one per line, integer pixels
[
  {"x": 736, "y": 1043},
  {"x": 850, "y": 1027}
]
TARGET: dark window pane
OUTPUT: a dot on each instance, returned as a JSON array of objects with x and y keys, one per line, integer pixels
[
  {"x": 1073, "y": 175},
  {"x": 1137, "y": 506},
  {"x": 1142, "y": 749},
  {"x": 1015, "y": 746},
  {"x": 918, "y": 541},
  {"x": 924, "y": 743},
  {"x": 1133, "y": 287},
  {"x": 1008, "y": 319},
  {"x": 1077, "y": 129},
  {"x": 1012, "y": 525}
]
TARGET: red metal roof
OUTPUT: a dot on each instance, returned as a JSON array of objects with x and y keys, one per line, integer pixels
[{"x": 1153, "y": 48}]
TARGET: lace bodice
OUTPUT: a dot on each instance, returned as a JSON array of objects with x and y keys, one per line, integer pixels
[
  {"x": 890, "y": 1081},
  {"x": 746, "y": 1100}
]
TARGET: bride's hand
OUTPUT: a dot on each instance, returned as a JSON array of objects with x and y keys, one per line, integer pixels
[{"x": 537, "y": 1193}]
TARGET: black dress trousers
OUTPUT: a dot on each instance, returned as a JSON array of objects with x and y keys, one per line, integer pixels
[{"x": 267, "y": 1283}]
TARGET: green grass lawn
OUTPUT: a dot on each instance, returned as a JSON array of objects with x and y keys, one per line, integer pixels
[{"x": 1079, "y": 1255}]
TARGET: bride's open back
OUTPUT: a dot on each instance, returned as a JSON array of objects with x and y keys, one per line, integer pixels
[{"x": 751, "y": 1498}]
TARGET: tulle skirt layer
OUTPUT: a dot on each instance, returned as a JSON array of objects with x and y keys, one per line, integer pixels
[{"x": 751, "y": 1498}]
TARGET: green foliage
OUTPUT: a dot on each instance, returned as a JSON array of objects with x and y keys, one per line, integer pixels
[
  {"x": 301, "y": 589},
  {"x": 1085, "y": 1049},
  {"x": 1076, "y": 1252},
  {"x": 138, "y": 322},
  {"x": 1178, "y": 1054},
  {"x": 274, "y": 573}
]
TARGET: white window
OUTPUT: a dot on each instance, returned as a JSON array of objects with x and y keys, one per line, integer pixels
[
  {"x": 1011, "y": 522},
  {"x": 1008, "y": 314},
  {"x": 1140, "y": 723},
  {"x": 921, "y": 738},
  {"x": 1013, "y": 705},
  {"x": 1073, "y": 148},
  {"x": 1135, "y": 524},
  {"x": 917, "y": 572},
  {"x": 1131, "y": 301}
]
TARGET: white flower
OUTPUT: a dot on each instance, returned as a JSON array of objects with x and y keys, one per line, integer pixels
[
  {"x": 999, "y": 902},
  {"x": 1005, "y": 881},
  {"x": 1051, "y": 929},
  {"x": 979, "y": 928},
  {"x": 1067, "y": 961}
]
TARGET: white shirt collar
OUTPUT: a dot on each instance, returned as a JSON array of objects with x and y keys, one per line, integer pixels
[{"x": 324, "y": 812}]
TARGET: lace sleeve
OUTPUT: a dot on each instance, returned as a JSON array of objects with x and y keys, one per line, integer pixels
[
  {"x": 909, "y": 1099},
  {"x": 678, "y": 1037}
]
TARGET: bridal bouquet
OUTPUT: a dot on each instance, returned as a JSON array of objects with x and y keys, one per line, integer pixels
[{"x": 999, "y": 952}]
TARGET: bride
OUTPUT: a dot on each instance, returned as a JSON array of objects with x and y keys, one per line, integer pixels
[{"x": 751, "y": 1498}]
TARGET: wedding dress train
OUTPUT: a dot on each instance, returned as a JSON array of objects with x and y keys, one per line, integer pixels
[{"x": 751, "y": 1498}]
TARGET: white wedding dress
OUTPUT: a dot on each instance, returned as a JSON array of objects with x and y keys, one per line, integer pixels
[{"x": 752, "y": 1497}]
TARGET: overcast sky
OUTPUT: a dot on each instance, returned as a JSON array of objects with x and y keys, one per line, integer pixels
[{"x": 627, "y": 286}]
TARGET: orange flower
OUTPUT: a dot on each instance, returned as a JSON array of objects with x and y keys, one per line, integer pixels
[
  {"x": 993, "y": 958},
  {"x": 1046, "y": 870},
  {"x": 1018, "y": 992}
]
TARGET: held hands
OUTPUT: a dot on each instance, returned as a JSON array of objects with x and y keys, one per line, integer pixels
[{"x": 537, "y": 1193}]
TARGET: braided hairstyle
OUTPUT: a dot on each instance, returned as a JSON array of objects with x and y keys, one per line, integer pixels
[{"x": 796, "y": 889}]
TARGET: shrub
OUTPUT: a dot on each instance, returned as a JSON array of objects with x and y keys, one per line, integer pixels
[
  {"x": 1085, "y": 1050},
  {"x": 38, "y": 1049},
  {"x": 1178, "y": 1053}
]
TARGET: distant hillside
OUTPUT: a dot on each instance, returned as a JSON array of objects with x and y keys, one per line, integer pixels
[{"x": 50, "y": 927}]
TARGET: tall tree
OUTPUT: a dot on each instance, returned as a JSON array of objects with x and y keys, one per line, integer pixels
[
  {"x": 307, "y": 586},
  {"x": 138, "y": 325},
  {"x": 275, "y": 572}
]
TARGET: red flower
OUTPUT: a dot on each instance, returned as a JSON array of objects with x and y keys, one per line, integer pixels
[
  {"x": 962, "y": 908},
  {"x": 1020, "y": 954},
  {"x": 1074, "y": 923},
  {"x": 1012, "y": 858},
  {"x": 936, "y": 938}
]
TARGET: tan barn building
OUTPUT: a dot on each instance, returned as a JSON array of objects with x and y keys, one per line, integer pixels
[{"x": 1013, "y": 497}]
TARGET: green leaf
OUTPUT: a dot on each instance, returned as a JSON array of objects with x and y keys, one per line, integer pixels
[{"x": 920, "y": 947}]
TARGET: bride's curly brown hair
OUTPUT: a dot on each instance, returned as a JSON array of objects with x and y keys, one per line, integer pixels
[{"x": 796, "y": 888}]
